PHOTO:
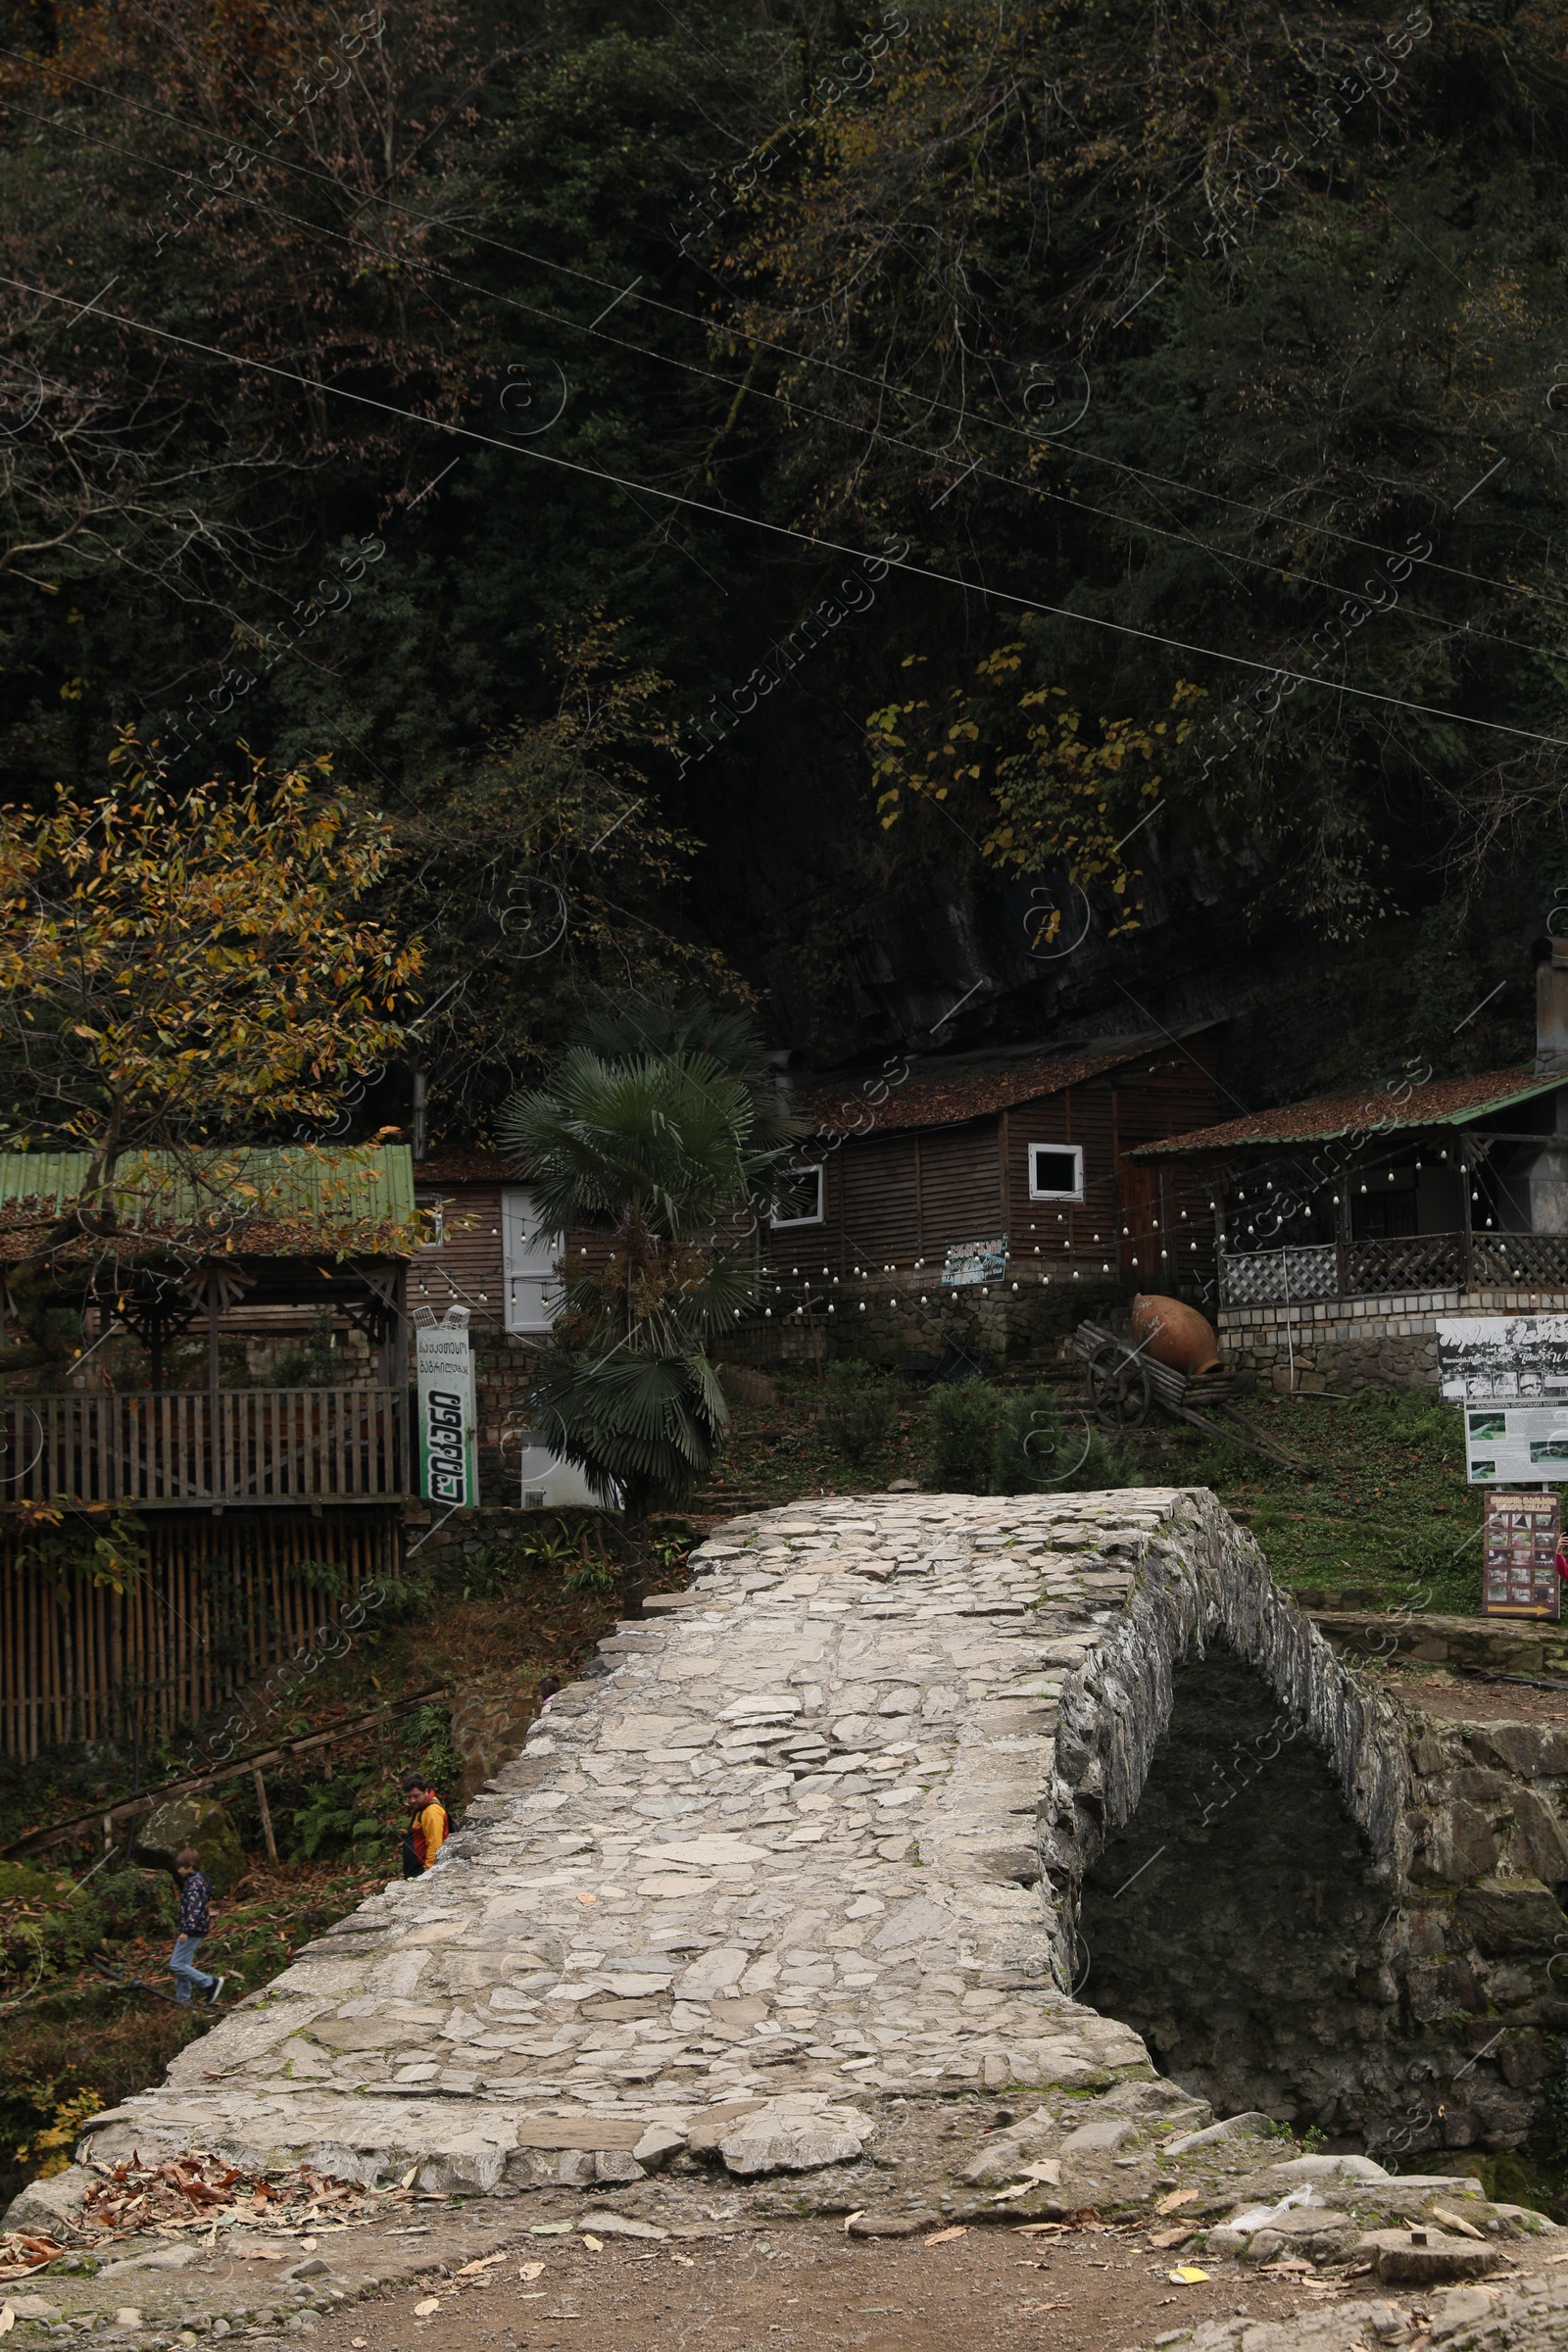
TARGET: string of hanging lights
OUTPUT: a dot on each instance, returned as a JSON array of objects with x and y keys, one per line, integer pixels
[{"x": 802, "y": 1290}]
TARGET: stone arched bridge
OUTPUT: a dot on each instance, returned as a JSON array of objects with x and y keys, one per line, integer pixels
[{"x": 813, "y": 1848}]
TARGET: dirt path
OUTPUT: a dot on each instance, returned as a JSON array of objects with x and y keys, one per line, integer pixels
[
  {"x": 1467, "y": 1698},
  {"x": 810, "y": 2284}
]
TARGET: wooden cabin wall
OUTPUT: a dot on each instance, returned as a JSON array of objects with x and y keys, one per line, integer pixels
[
  {"x": 221, "y": 1602},
  {"x": 1165, "y": 1229},
  {"x": 1075, "y": 1233},
  {"x": 466, "y": 1269},
  {"x": 893, "y": 1198},
  {"x": 873, "y": 1207}
]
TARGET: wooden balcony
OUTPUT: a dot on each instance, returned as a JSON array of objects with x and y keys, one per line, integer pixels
[
  {"x": 1426, "y": 1261},
  {"x": 191, "y": 1449}
]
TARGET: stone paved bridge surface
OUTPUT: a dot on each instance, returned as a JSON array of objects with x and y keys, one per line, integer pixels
[
  {"x": 775, "y": 1918},
  {"x": 785, "y": 1857}
]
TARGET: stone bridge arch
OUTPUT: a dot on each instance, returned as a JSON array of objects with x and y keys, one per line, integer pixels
[
  {"x": 1200, "y": 1581},
  {"x": 1440, "y": 2007},
  {"x": 810, "y": 1845}
]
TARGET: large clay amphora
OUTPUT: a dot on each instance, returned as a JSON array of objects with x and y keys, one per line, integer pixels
[{"x": 1175, "y": 1334}]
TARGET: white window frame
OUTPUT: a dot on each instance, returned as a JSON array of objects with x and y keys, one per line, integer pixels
[
  {"x": 820, "y": 1215},
  {"x": 1039, "y": 1191},
  {"x": 530, "y": 1283}
]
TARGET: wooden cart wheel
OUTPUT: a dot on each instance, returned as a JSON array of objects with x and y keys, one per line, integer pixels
[{"x": 1118, "y": 1388}]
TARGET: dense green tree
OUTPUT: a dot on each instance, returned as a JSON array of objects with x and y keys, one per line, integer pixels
[{"x": 1020, "y": 381}]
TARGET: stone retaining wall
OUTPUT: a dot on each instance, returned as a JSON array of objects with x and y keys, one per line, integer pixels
[{"x": 1383, "y": 1343}]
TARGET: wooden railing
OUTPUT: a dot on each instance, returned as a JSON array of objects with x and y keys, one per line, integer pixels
[
  {"x": 1409, "y": 1261},
  {"x": 1503, "y": 1259},
  {"x": 1278, "y": 1277},
  {"x": 184, "y": 1447},
  {"x": 1416, "y": 1261}
]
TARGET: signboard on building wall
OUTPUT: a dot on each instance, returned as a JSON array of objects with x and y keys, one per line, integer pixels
[
  {"x": 969, "y": 1262},
  {"x": 448, "y": 1421},
  {"x": 1517, "y": 1357},
  {"x": 1521, "y": 1537}
]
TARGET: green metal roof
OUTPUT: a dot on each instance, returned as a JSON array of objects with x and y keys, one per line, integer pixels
[{"x": 301, "y": 1192}]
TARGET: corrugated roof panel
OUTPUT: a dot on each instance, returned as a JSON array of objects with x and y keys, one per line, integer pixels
[
  {"x": 302, "y": 1188},
  {"x": 1440, "y": 1102},
  {"x": 947, "y": 1098}
]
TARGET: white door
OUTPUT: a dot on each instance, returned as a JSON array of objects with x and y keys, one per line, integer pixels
[{"x": 529, "y": 1256}]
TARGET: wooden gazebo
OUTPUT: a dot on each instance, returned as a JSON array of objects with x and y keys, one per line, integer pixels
[{"x": 248, "y": 1502}]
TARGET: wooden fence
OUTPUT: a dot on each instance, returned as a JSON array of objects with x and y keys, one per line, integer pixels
[
  {"x": 186, "y": 1449},
  {"x": 222, "y": 1600}
]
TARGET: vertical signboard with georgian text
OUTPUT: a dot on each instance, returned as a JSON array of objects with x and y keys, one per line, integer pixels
[{"x": 448, "y": 1422}]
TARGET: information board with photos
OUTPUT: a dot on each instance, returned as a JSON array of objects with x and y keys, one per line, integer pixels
[
  {"x": 1521, "y": 1537},
  {"x": 1507, "y": 1443}
]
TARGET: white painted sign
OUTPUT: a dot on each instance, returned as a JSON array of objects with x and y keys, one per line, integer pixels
[
  {"x": 1516, "y": 1357},
  {"x": 448, "y": 1420}
]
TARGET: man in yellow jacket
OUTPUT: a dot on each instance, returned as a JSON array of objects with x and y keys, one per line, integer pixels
[{"x": 427, "y": 1828}]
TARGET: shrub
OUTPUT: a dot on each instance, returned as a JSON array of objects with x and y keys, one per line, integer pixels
[
  {"x": 964, "y": 1436},
  {"x": 1036, "y": 1449},
  {"x": 331, "y": 1821},
  {"x": 859, "y": 1406}
]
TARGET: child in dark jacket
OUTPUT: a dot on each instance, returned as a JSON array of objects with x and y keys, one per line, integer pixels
[{"x": 193, "y": 1920}]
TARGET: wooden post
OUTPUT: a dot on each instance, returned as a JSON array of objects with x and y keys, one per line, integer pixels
[
  {"x": 400, "y": 1335},
  {"x": 1342, "y": 1237},
  {"x": 1467, "y": 1237},
  {"x": 211, "y": 1347},
  {"x": 214, "y": 1453},
  {"x": 265, "y": 1811}
]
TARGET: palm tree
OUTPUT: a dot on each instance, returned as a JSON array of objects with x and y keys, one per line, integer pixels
[
  {"x": 662, "y": 1024},
  {"x": 669, "y": 1156}
]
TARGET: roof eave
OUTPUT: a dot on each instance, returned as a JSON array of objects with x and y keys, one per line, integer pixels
[{"x": 1194, "y": 1147}]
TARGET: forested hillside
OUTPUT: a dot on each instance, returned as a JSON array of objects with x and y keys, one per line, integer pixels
[{"x": 775, "y": 496}]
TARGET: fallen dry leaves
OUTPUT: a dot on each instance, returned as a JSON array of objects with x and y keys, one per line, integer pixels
[
  {"x": 20, "y": 2253},
  {"x": 198, "y": 2192},
  {"x": 1180, "y": 2196}
]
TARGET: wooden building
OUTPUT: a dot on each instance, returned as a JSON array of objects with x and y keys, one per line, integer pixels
[
  {"x": 159, "y": 1545},
  {"x": 1031, "y": 1150},
  {"x": 1348, "y": 1227},
  {"x": 1452, "y": 1185}
]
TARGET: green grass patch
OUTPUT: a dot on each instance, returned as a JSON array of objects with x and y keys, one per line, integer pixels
[{"x": 1385, "y": 1521}]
